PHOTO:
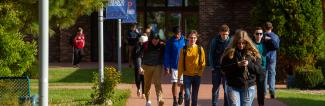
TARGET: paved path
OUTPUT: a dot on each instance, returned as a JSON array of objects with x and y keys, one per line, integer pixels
[{"x": 204, "y": 92}]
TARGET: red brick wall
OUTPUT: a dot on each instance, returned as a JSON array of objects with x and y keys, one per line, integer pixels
[{"x": 213, "y": 13}]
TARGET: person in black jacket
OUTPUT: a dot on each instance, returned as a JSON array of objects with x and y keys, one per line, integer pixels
[
  {"x": 152, "y": 66},
  {"x": 132, "y": 36},
  {"x": 241, "y": 64},
  {"x": 137, "y": 55}
]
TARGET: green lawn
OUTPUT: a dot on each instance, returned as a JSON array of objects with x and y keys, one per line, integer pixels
[
  {"x": 81, "y": 96},
  {"x": 298, "y": 98},
  {"x": 75, "y": 76},
  {"x": 78, "y": 77}
]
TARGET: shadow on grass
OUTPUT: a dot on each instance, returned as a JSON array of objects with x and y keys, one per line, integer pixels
[
  {"x": 292, "y": 101},
  {"x": 79, "y": 76},
  {"x": 86, "y": 75}
]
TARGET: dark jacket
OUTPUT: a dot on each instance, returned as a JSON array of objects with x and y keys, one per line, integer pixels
[
  {"x": 235, "y": 74},
  {"x": 153, "y": 55},
  {"x": 271, "y": 46},
  {"x": 132, "y": 37},
  {"x": 217, "y": 47},
  {"x": 137, "y": 55}
]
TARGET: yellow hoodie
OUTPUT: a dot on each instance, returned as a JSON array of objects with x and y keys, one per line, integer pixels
[{"x": 191, "y": 61}]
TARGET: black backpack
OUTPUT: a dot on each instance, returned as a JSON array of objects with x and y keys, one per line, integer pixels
[{"x": 184, "y": 55}]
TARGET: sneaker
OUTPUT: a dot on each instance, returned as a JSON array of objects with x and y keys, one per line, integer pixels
[
  {"x": 161, "y": 103},
  {"x": 272, "y": 96},
  {"x": 143, "y": 96},
  {"x": 175, "y": 103},
  {"x": 148, "y": 103},
  {"x": 76, "y": 66},
  {"x": 138, "y": 93},
  {"x": 180, "y": 99}
]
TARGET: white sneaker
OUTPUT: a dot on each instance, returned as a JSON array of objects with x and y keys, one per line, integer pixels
[{"x": 148, "y": 103}]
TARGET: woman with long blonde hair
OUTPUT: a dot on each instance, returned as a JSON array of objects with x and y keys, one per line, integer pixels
[{"x": 241, "y": 63}]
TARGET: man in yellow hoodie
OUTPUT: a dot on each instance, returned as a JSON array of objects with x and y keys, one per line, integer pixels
[{"x": 191, "y": 64}]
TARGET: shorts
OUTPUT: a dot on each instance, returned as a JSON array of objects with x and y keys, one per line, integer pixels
[{"x": 174, "y": 76}]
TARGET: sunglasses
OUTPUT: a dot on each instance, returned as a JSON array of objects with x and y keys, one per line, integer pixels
[{"x": 259, "y": 33}]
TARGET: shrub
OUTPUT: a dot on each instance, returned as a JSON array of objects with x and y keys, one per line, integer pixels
[
  {"x": 321, "y": 64},
  {"x": 111, "y": 79},
  {"x": 307, "y": 78},
  {"x": 33, "y": 72},
  {"x": 299, "y": 26},
  {"x": 16, "y": 55}
]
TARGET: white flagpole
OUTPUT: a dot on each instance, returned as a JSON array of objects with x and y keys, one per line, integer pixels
[
  {"x": 44, "y": 50},
  {"x": 119, "y": 61}
]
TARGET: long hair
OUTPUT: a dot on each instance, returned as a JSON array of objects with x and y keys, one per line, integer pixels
[{"x": 250, "y": 48}]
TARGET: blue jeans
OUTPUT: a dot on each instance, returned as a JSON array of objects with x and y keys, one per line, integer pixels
[
  {"x": 240, "y": 96},
  {"x": 270, "y": 76},
  {"x": 194, "y": 83},
  {"x": 217, "y": 78}
]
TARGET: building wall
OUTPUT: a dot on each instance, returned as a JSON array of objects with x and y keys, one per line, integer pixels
[
  {"x": 60, "y": 49},
  {"x": 213, "y": 13},
  {"x": 54, "y": 49}
]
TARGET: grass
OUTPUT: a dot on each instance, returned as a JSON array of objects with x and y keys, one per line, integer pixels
[
  {"x": 79, "y": 77},
  {"x": 81, "y": 96},
  {"x": 298, "y": 98},
  {"x": 76, "y": 76},
  {"x": 127, "y": 75}
]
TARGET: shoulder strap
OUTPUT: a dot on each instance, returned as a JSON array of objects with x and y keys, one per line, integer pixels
[
  {"x": 184, "y": 56},
  {"x": 199, "y": 50}
]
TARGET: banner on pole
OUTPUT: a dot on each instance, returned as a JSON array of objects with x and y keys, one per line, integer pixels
[
  {"x": 116, "y": 9},
  {"x": 131, "y": 16}
]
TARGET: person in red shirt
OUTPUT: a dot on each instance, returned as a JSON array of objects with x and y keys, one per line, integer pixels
[{"x": 78, "y": 45}]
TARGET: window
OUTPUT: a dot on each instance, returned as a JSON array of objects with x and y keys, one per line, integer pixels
[
  {"x": 174, "y": 3},
  {"x": 140, "y": 3},
  {"x": 156, "y": 3},
  {"x": 189, "y": 3}
]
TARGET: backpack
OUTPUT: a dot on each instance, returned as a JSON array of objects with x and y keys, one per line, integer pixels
[{"x": 184, "y": 55}]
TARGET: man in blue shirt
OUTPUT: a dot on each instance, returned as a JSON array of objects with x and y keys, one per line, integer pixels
[
  {"x": 272, "y": 43},
  {"x": 171, "y": 55}
]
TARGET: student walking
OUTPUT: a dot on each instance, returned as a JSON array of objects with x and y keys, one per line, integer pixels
[
  {"x": 133, "y": 36},
  {"x": 78, "y": 46},
  {"x": 241, "y": 63},
  {"x": 272, "y": 42},
  {"x": 137, "y": 55},
  {"x": 191, "y": 64},
  {"x": 171, "y": 56},
  {"x": 217, "y": 47},
  {"x": 260, "y": 79},
  {"x": 152, "y": 61}
]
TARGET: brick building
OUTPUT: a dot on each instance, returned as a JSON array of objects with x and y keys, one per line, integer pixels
[{"x": 202, "y": 15}]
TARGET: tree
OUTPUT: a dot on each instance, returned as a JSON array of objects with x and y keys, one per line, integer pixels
[
  {"x": 19, "y": 18},
  {"x": 299, "y": 26}
]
